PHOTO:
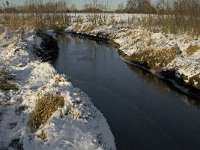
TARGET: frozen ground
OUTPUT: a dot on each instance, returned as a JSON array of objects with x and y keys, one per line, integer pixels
[
  {"x": 160, "y": 51},
  {"x": 84, "y": 128}
]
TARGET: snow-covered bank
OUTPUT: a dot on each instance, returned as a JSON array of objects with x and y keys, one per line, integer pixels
[
  {"x": 160, "y": 52},
  {"x": 77, "y": 125}
]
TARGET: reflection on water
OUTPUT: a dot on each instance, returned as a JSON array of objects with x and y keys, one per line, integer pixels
[
  {"x": 163, "y": 86},
  {"x": 62, "y": 39},
  {"x": 146, "y": 76},
  {"x": 143, "y": 111}
]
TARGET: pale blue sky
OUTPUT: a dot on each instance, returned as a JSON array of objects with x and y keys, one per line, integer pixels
[{"x": 78, "y": 3}]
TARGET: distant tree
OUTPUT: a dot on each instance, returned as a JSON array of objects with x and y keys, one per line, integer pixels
[
  {"x": 11, "y": 10},
  {"x": 145, "y": 6},
  {"x": 161, "y": 6},
  {"x": 120, "y": 8},
  {"x": 139, "y": 6},
  {"x": 94, "y": 6},
  {"x": 181, "y": 7},
  {"x": 73, "y": 8},
  {"x": 62, "y": 6},
  {"x": 7, "y": 3},
  {"x": 1, "y": 9},
  {"x": 7, "y": 8},
  {"x": 132, "y": 6}
]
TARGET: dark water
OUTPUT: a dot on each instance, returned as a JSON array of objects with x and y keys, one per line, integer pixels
[{"x": 144, "y": 113}]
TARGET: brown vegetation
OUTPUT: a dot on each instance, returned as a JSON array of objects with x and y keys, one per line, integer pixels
[
  {"x": 45, "y": 107},
  {"x": 154, "y": 59},
  {"x": 6, "y": 81},
  {"x": 192, "y": 49},
  {"x": 74, "y": 113},
  {"x": 36, "y": 14},
  {"x": 194, "y": 81},
  {"x": 171, "y": 16},
  {"x": 42, "y": 136}
]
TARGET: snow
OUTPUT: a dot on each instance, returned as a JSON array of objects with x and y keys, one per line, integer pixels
[
  {"x": 34, "y": 78},
  {"x": 88, "y": 130},
  {"x": 132, "y": 38},
  {"x": 35, "y": 40}
]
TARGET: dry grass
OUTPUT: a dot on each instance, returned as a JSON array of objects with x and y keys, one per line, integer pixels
[
  {"x": 74, "y": 113},
  {"x": 43, "y": 136},
  {"x": 175, "y": 24},
  {"x": 1, "y": 29},
  {"x": 129, "y": 33},
  {"x": 154, "y": 59},
  {"x": 89, "y": 28},
  {"x": 194, "y": 81},
  {"x": 44, "y": 108},
  {"x": 6, "y": 81},
  {"x": 59, "y": 79},
  {"x": 55, "y": 21},
  {"x": 36, "y": 14},
  {"x": 78, "y": 26},
  {"x": 192, "y": 49}
]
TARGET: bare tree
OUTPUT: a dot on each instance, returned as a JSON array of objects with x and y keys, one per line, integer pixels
[
  {"x": 95, "y": 6},
  {"x": 121, "y": 8},
  {"x": 139, "y": 6},
  {"x": 73, "y": 8},
  {"x": 1, "y": 9}
]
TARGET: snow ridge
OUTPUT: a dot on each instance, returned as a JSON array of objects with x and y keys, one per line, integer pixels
[
  {"x": 84, "y": 128},
  {"x": 135, "y": 42}
]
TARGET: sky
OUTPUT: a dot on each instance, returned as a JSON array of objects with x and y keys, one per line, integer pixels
[{"x": 79, "y": 3}]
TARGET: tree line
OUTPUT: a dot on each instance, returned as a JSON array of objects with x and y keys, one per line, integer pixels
[
  {"x": 168, "y": 15},
  {"x": 34, "y": 6},
  {"x": 186, "y": 7},
  {"x": 48, "y": 6}
]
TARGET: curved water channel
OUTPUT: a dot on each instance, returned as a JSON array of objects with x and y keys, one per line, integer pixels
[{"x": 144, "y": 113}]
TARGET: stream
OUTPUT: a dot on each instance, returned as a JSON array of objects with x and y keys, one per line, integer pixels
[{"x": 143, "y": 112}]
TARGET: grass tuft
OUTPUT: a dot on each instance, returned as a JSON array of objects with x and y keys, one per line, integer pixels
[
  {"x": 74, "y": 113},
  {"x": 58, "y": 79},
  {"x": 154, "y": 59},
  {"x": 44, "y": 108},
  {"x": 6, "y": 81},
  {"x": 192, "y": 49},
  {"x": 43, "y": 136}
]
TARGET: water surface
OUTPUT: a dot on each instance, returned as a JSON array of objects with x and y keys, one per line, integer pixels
[{"x": 144, "y": 113}]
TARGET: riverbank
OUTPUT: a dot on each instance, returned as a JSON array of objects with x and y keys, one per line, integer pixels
[
  {"x": 41, "y": 109},
  {"x": 175, "y": 57},
  {"x": 160, "y": 111}
]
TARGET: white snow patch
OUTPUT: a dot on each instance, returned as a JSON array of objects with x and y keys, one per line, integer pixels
[
  {"x": 87, "y": 131},
  {"x": 132, "y": 39}
]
